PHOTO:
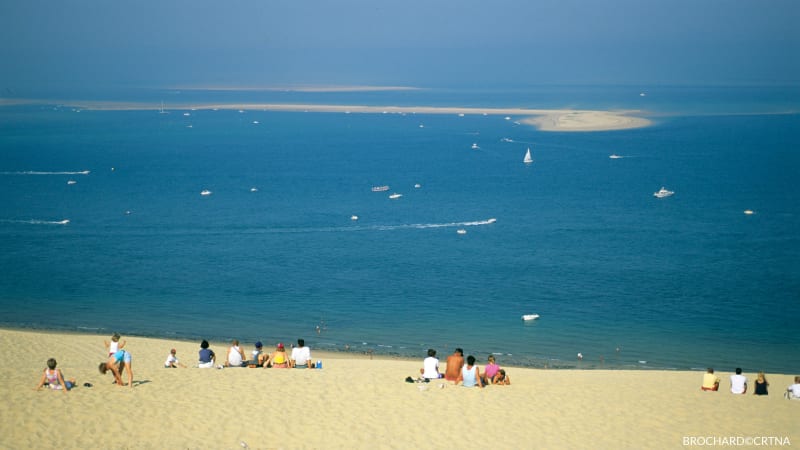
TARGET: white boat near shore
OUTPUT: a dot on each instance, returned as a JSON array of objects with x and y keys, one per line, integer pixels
[{"x": 527, "y": 317}]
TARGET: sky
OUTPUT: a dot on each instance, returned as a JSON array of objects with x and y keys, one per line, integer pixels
[{"x": 47, "y": 44}]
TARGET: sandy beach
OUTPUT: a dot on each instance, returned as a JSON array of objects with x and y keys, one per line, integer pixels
[{"x": 358, "y": 402}]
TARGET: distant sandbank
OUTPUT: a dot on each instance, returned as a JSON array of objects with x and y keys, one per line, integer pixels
[
  {"x": 565, "y": 120},
  {"x": 358, "y": 402}
]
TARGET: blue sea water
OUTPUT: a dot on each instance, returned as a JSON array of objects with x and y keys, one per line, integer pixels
[{"x": 622, "y": 277}]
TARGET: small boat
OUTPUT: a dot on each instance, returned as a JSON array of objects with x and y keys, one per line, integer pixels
[
  {"x": 255, "y": 122},
  {"x": 475, "y": 146},
  {"x": 353, "y": 217},
  {"x": 417, "y": 186},
  {"x": 63, "y": 222},
  {"x": 205, "y": 192},
  {"x": 527, "y": 159},
  {"x": 615, "y": 156},
  {"x": 507, "y": 140},
  {"x": 252, "y": 189},
  {"x": 380, "y": 188},
  {"x": 161, "y": 111},
  {"x": 662, "y": 193},
  {"x": 461, "y": 231},
  {"x": 186, "y": 114},
  {"x": 527, "y": 317},
  {"x": 395, "y": 195},
  {"x": 492, "y": 220},
  {"x": 749, "y": 212},
  {"x": 71, "y": 182}
]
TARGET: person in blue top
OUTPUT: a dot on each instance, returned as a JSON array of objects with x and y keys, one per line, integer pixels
[
  {"x": 120, "y": 360},
  {"x": 207, "y": 356}
]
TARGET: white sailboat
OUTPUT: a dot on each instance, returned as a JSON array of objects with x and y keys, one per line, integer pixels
[
  {"x": 528, "y": 159},
  {"x": 161, "y": 111}
]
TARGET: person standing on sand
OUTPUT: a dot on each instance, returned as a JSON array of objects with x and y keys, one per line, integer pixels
[
  {"x": 114, "y": 345},
  {"x": 119, "y": 359},
  {"x": 454, "y": 364}
]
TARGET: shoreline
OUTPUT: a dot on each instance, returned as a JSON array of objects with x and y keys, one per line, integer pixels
[
  {"x": 564, "y": 120},
  {"x": 357, "y": 402}
]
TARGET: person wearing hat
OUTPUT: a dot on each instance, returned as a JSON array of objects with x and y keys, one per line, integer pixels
[
  {"x": 172, "y": 360},
  {"x": 279, "y": 358},
  {"x": 258, "y": 358}
]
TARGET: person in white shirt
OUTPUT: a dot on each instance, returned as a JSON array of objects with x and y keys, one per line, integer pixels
[
  {"x": 430, "y": 366},
  {"x": 793, "y": 391},
  {"x": 172, "y": 360},
  {"x": 301, "y": 356},
  {"x": 235, "y": 355},
  {"x": 738, "y": 382}
]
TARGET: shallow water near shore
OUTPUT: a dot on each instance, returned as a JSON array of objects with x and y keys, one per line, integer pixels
[{"x": 624, "y": 278}]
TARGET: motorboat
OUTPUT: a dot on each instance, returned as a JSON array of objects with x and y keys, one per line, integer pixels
[
  {"x": 71, "y": 182},
  {"x": 395, "y": 195},
  {"x": 461, "y": 231},
  {"x": 663, "y": 193},
  {"x": 380, "y": 188},
  {"x": 475, "y": 146},
  {"x": 527, "y": 317},
  {"x": 615, "y": 156},
  {"x": 354, "y": 217},
  {"x": 205, "y": 192}
]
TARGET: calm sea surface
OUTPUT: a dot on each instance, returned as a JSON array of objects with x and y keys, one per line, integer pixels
[{"x": 626, "y": 279}]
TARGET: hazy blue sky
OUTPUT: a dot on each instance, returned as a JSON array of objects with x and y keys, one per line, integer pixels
[{"x": 155, "y": 43}]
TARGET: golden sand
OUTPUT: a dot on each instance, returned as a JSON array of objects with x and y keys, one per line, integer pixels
[{"x": 358, "y": 402}]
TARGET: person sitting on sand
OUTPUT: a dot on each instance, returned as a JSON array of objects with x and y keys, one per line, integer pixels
[
  {"x": 793, "y": 391},
  {"x": 738, "y": 382},
  {"x": 114, "y": 345},
  {"x": 258, "y": 358},
  {"x": 490, "y": 370},
  {"x": 279, "y": 358},
  {"x": 235, "y": 355},
  {"x": 430, "y": 366},
  {"x": 54, "y": 379},
  {"x": 470, "y": 374},
  {"x": 710, "y": 381},
  {"x": 501, "y": 378},
  {"x": 454, "y": 364},
  {"x": 761, "y": 384},
  {"x": 118, "y": 359},
  {"x": 301, "y": 356},
  {"x": 207, "y": 358},
  {"x": 172, "y": 360}
]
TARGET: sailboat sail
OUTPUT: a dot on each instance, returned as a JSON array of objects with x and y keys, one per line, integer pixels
[{"x": 528, "y": 158}]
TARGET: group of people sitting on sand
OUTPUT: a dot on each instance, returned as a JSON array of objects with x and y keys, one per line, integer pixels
[
  {"x": 465, "y": 373},
  {"x": 300, "y": 357},
  {"x": 739, "y": 384}
]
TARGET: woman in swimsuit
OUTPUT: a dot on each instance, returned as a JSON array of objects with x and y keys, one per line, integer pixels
[
  {"x": 279, "y": 358},
  {"x": 54, "y": 378},
  {"x": 117, "y": 362}
]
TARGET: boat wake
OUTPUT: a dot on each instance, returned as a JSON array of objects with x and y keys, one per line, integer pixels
[
  {"x": 422, "y": 226},
  {"x": 36, "y": 222},
  {"x": 34, "y": 172}
]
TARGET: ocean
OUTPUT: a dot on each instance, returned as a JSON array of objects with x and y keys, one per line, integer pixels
[{"x": 273, "y": 253}]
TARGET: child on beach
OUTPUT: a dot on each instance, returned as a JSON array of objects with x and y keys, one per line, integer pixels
[
  {"x": 172, "y": 360},
  {"x": 501, "y": 378},
  {"x": 54, "y": 379},
  {"x": 490, "y": 370},
  {"x": 114, "y": 345}
]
